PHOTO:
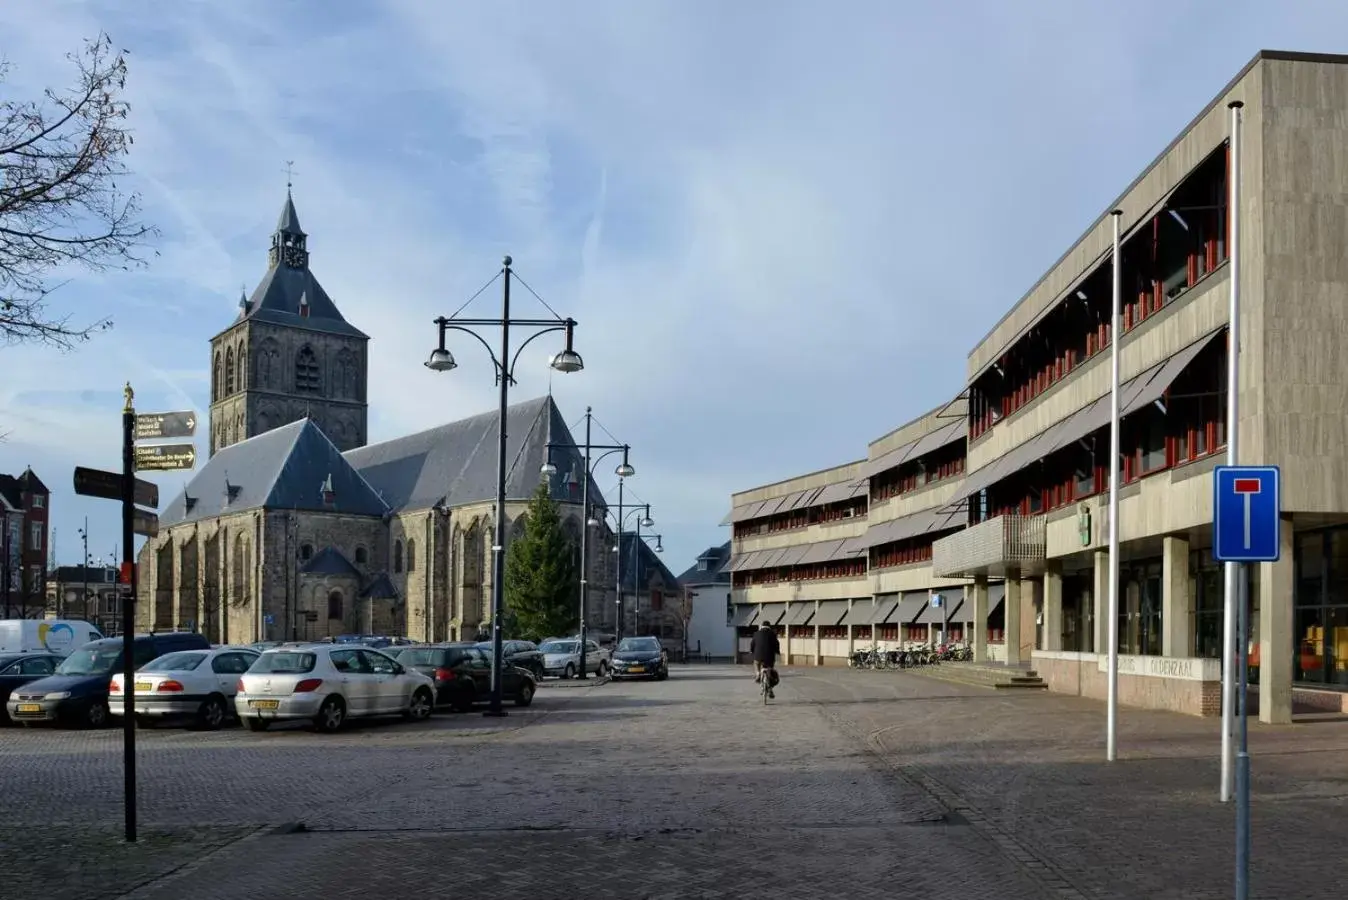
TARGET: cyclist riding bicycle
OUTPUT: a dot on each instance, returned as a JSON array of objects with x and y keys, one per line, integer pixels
[{"x": 765, "y": 648}]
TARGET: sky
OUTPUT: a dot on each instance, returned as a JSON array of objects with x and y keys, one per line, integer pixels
[{"x": 781, "y": 225}]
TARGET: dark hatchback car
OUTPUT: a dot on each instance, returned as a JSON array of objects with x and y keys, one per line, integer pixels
[
  {"x": 524, "y": 654},
  {"x": 18, "y": 669},
  {"x": 462, "y": 674},
  {"x": 639, "y": 657},
  {"x": 77, "y": 693}
]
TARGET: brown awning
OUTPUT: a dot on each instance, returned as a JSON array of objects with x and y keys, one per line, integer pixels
[
  {"x": 936, "y": 615},
  {"x": 831, "y": 612},
  {"x": 800, "y": 614},
  {"x": 949, "y": 433},
  {"x": 1150, "y": 385},
  {"x": 860, "y": 613},
  {"x": 745, "y": 614},
  {"x": 884, "y": 610},
  {"x": 905, "y": 527},
  {"x": 772, "y": 613}
]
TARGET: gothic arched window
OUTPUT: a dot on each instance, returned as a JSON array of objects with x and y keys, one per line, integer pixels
[
  {"x": 335, "y": 605},
  {"x": 411, "y": 555},
  {"x": 397, "y": 556},
  {"x": 242, "y": 358},
  {"x": 229, "y": 371},
  {"x": 217, "y": 374},
  {"x": 306, "y": 372},
  {"x": 361, "y": 556}
]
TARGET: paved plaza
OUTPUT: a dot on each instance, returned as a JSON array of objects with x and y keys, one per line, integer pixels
[{"x": 851, "y": 781}]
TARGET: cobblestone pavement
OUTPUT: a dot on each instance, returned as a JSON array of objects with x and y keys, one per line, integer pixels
[{"x": 851, "y": 781}]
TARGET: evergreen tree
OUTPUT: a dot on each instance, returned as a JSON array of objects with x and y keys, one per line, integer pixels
[{"x": 541, "y": 589}]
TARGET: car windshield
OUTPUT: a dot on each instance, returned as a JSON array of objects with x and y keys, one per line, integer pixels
[
  {"x": 558, "y": 646},
  {"x": 284, "y": 662},
  {"x": 638, "y": 645},
  {"x": 91, "y": 661},
  {"x": 182, "y": 661}
]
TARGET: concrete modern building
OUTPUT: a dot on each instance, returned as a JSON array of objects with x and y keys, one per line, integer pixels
[{"x": 997, "y": 500}]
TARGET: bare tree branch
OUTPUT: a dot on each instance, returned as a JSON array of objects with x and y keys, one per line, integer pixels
[{"x": 60, "y": 204}]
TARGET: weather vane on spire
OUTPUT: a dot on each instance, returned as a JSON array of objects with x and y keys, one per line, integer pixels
[{"x": 290, "y": 173}]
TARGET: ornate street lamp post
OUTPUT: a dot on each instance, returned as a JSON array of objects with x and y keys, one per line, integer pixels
[{"x": 441, "y": 360}]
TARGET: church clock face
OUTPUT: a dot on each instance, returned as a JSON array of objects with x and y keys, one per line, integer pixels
[{"x": 293, "y": 257}]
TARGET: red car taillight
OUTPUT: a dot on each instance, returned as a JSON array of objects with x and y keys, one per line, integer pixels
[
  {"x": 170, "y": 687},
  {"x": 239, "y": 687},
  {"x": 444, "y": 674},
  {"x": 308, "y": 685},
  {"x": 115, "y": 687}
]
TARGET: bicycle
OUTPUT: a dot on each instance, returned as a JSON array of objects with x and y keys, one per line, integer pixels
[{"x": 765, "y": 683}]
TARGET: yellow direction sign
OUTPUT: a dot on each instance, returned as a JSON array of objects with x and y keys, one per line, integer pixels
[{"x": 165, "y": 457}]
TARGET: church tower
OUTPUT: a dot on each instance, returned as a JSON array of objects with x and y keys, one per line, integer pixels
[{"x": 289, "y": 354}]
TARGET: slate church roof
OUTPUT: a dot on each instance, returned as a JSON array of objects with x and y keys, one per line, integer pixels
[
  {"x": 455, "y": 464},
  {"x": 648, "y": 564},
  {"x": 276, "y": 300},
  {"x": 285, "y": 468}
]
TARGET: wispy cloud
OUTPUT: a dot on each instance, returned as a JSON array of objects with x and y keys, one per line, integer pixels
[{"x": 781, "y": 225}]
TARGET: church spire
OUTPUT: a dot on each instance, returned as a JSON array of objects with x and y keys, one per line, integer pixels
[{"x": 287, "y": 242}]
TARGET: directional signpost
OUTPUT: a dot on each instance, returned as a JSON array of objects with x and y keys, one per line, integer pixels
[
  {"x": 1246, "y": 528},
  {"x": 134, "y": 493},
  {"x": 152, "y": 426},
  {"x": 166, "y": 457}
]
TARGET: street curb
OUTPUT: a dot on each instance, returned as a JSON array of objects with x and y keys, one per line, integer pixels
[{"x": 144, "y": 888}]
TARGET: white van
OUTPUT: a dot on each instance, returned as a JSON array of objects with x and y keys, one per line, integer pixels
[{"x": 59, "y": 636}]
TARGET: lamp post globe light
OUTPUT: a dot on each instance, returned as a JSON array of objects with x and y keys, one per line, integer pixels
[
  {"x": 441, "y": 360},
  {"x": 624, "y": 470}
]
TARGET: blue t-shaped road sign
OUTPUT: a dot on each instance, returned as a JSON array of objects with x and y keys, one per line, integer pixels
[{"x": 1246, "y": 510}]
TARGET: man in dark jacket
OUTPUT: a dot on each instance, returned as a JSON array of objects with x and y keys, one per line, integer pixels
[{"x": 765, "y": 648}]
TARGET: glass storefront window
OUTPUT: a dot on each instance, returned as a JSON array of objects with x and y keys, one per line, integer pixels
[{"x": 1140, "y": 608}]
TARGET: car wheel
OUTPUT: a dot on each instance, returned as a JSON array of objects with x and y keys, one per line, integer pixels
[
  {"x": 211, "y": 714},
  {"x": 96, "y": 715},
  {"x": 421, "y": 705},
  {"x": 570, "y": 672},
  {"x": 257, "y": 724},
  {"x": 603, "y": 668},
  {"x": 331, "y": 715},
  {"x": 526, "y": 695}
]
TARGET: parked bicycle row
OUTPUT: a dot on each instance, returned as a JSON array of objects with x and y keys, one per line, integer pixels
[{"x": 910, "y": 656}]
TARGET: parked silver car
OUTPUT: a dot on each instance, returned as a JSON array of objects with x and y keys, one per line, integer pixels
[
  {"x": 195, "y": 684},
  {"x": 561, "y": 657},
  {"x": 328, "y": 684}
]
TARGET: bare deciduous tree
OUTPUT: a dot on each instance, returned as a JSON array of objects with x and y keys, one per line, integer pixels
[{"x": 60, "y": 203}]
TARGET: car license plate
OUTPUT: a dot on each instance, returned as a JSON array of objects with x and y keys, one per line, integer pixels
[
  {"x": 264, "y": 704},
  {"x": 144, "y": 686},
  {"x": 30, "y": 707},
  {"x": 637, "y": 669}
]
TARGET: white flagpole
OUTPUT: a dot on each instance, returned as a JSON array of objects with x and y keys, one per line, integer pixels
[
  {"x": 1229, "y": 644},
  {"x": 1112, "y": 726}
]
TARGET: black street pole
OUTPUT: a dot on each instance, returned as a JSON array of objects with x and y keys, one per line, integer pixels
[
  {"x": 129, "y": 614},
  {"x": 584, "y": 529},
  {"x": 618, "y": 576},
  {"x": 498, "y": 547}
]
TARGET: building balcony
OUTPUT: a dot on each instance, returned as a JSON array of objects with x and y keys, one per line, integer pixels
[{"x": 1001, "y": 547}]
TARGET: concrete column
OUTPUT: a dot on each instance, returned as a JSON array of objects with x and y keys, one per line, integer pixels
[
  {"x": 1100, "y": 599},
  {"x": 977, "y": 594},
  {"x": 786, "y": 637},
  {"x": 1012, "y": 605},
  {"x": 1276, "y": 634},
  {"x": 1176, "y": 631},
  {"x": 818, "y": 646},
  {"x": 851, "y": 630},
  {"x": 1053, "y": 607}
]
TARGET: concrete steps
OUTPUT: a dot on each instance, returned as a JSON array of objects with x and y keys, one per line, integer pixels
[{"x": 998, "y": 677}]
